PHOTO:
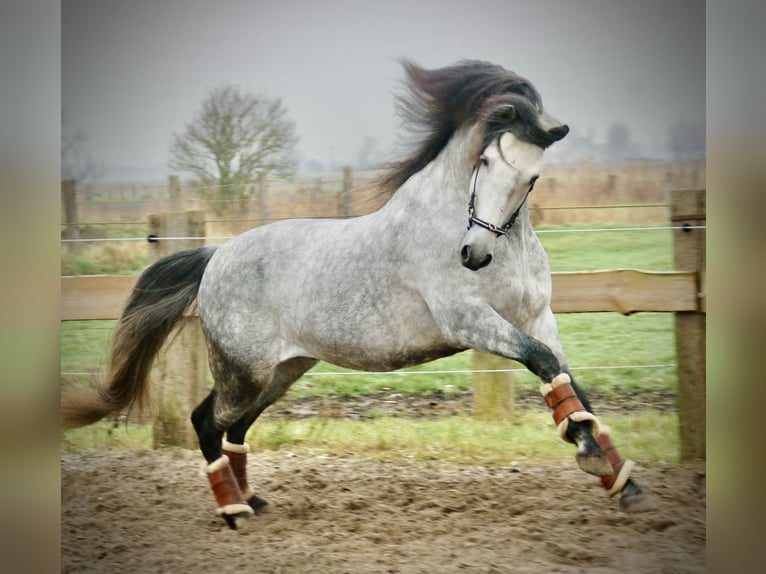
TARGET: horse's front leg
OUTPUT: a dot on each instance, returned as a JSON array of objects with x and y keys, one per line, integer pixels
[
  {"x": 576, "y": 423},
  {"x": 617, "y": 480},
  {"x": 593, "y": 441},
  {"x": 572, "y": 412},
  {"x": 478, "y": 326}
]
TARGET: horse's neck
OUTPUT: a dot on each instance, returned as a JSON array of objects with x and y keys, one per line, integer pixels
[{"x": 440, "y": 191}]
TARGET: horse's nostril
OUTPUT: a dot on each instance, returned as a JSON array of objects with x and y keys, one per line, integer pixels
[{"x": 465, "y": 253}]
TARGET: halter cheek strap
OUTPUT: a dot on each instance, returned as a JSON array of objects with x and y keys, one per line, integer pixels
[{"x": 472, "y": 219}]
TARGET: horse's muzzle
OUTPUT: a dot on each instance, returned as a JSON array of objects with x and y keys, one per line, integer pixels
[{"x": 473, "y": 259}]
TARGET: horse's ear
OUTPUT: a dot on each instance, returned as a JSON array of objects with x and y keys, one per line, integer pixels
[
  {"x": 506, "y": 113},
  {"x": 555, "y": 129},
  {"x": 558, "y": 132}
]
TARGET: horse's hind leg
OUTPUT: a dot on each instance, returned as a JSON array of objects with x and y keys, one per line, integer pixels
[
  {"x": 235, "y": 446},
  {"x": 210, "y": 427}
]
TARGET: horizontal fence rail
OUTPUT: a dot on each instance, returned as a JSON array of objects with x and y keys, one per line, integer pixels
[{"x": 625, "y": 291}]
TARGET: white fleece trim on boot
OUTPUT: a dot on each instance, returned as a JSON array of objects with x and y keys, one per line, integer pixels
[
  {"x": 234, "y": 509},
  {"x": 622, "y": 478},
  {"x": 578, "y": 417},
  {"x": 558, "y": 380},
  {"x": 218, "y": 464},
  {"x": 236, "y": 448}
]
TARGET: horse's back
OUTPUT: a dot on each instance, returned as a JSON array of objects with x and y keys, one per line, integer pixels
[{"x": 327, "y": 289}]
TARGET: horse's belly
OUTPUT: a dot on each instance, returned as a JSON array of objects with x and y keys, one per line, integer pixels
[
  {"x": 407, "y": 335},
  {"x": 366, "y": 359}
]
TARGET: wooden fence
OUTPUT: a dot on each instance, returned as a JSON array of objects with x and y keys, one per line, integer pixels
[{"x": 181, "y": 375}]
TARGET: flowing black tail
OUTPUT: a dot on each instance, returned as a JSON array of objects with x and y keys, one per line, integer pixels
[{"x": 163, "y": 292}]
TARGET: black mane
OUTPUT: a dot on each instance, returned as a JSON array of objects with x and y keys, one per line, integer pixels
[{"x": 439, "y": 102}]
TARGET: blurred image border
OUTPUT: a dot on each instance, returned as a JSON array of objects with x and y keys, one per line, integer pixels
[
  {"x": 30, "y": 111},
  {"x": 736, "y": 177}
]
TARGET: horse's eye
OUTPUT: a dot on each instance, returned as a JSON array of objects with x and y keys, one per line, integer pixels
[{"x": 484, "y": 161}]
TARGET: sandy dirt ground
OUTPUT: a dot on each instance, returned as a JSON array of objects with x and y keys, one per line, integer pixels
[{"x": 152, "y": 511}]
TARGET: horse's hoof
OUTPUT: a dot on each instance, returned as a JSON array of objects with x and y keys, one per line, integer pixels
[
  {"x": 634, "y": 500},
  {"x": 257, "y": 504},
  {"x": 591, "y": 457},
  {"x": 595, "y": 463},
  {"x": 237, "y": 521}
]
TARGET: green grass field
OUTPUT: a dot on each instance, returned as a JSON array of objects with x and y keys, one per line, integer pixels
[
  {"x": 590, "y": 340},
  {"x": 570, "y": 248},
  {"x": 527, "y": 437}
]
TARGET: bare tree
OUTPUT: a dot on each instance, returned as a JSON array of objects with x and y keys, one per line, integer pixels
[
  {"x": 76, "y": 162},
  {"x": 232, "y": 139}
]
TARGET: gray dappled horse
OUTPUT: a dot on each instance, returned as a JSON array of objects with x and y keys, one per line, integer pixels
[{"x": 403, "y": 285}]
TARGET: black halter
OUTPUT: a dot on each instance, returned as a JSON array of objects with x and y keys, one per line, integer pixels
[{"x": 486, "y": 224}]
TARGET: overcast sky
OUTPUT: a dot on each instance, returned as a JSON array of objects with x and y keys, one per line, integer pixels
[{"x": 133, "y": 73}]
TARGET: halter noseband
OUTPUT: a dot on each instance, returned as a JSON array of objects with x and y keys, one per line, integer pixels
[{"x": 472, "y": 219}]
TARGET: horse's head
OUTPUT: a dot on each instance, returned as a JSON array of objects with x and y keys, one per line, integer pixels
[
  {"x": 504, "y": 175},
  {"x": 502, "y": 129}
]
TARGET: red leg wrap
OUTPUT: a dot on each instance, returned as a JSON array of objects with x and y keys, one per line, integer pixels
[
  {"x": 614, "y": 482},
  {"x": 237, "y": 454},
  {"x": 563, "y": 401},
  {"x": 226, "y": 491},
  {"x": 238, "y": 461}
]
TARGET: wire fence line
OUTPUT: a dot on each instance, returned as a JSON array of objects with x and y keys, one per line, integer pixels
[
  {"x": 442, "y": 371},
  {"x": 83, "y": 223},
  {"x": 598, "y": 229},
  {"x": 539, "y": 231},
  {"x": 257, "y": 219}
]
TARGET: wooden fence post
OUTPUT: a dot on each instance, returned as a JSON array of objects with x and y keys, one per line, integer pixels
[
  {"x": 493, "y": 394},
  {"x": 687, "y": 210},
  {"x": 69, "y": 209},
  {"x": 315, "y": 193},
  {"x": 346, "y": 209},
  {"x": 174, "y": 192},
  {"x": 668, "y": 187},
  {"x": 180, "y": 372}
]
